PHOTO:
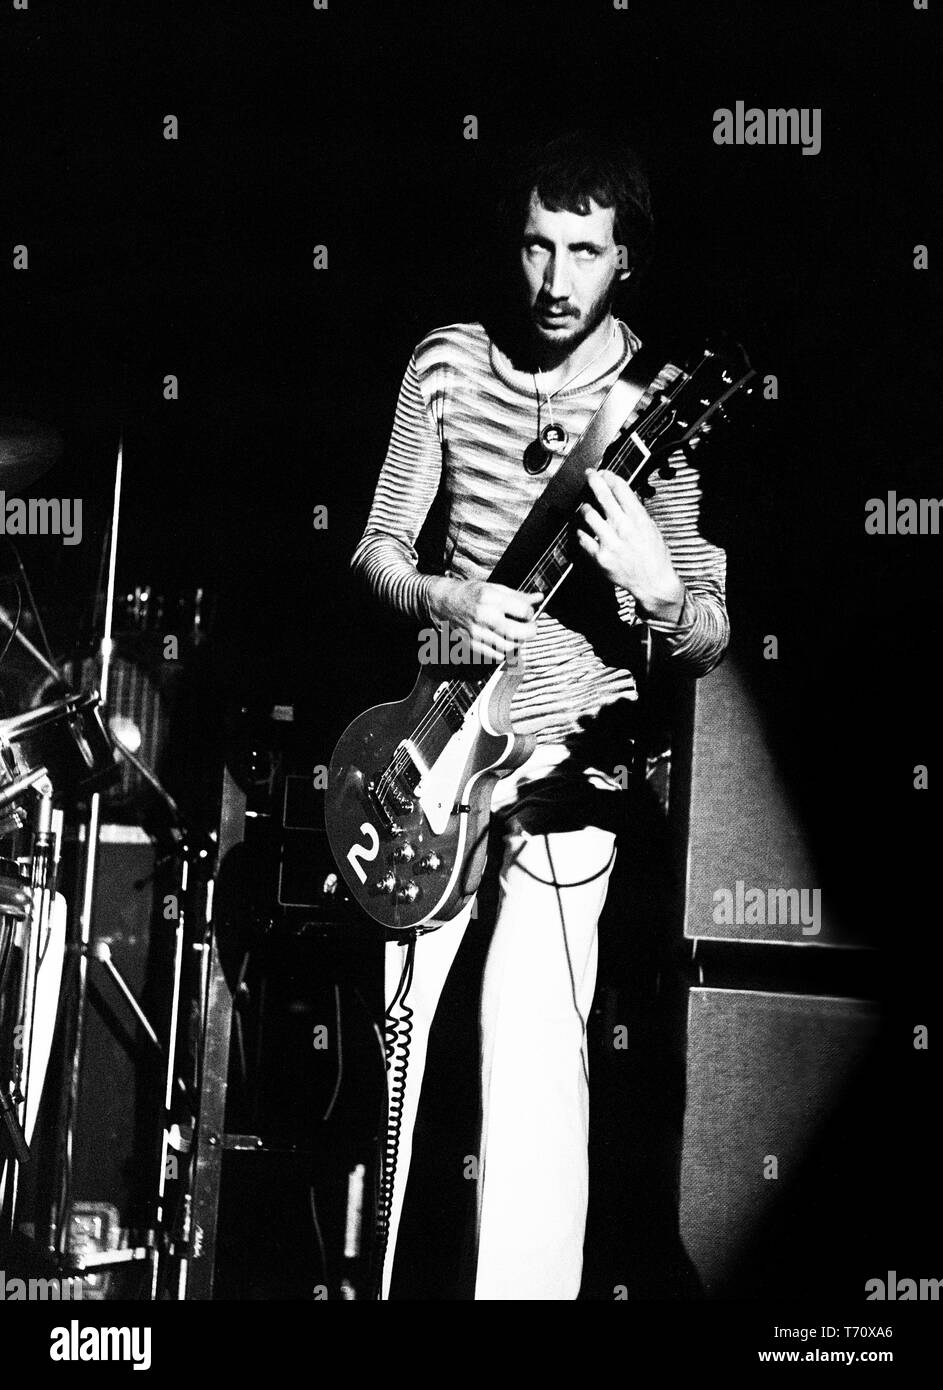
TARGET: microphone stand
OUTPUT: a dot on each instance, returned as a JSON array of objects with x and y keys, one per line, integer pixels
[{"x": 59, "y": 1224}]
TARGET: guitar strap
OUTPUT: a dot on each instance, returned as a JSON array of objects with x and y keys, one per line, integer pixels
[{"x": 558, "y": 499}]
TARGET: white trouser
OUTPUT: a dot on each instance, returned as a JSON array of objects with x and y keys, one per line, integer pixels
[{"x": 537, "y": 991}]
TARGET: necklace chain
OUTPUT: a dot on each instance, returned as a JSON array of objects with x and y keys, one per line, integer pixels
[{"x": 569, "y": 381}]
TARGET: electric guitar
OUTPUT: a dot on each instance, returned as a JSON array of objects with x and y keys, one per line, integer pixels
[{"x": 410, "y": 784}]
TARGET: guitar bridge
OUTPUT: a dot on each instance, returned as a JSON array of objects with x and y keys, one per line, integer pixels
[{"x": 388, "y": 805}]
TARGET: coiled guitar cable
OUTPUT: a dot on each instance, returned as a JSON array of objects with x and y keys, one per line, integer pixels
[{"x": 397, "y": 1037}]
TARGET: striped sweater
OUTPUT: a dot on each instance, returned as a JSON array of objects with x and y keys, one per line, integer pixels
[{"x": 462, "y": 422}]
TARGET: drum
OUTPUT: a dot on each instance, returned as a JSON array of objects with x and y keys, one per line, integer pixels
[{"x": 69, "y": 738}]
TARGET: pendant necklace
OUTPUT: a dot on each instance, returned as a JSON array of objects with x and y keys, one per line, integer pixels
[{"x": 553, "y": 438}]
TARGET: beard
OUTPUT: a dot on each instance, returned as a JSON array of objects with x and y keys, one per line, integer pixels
[{"x": 551, "y": 343}]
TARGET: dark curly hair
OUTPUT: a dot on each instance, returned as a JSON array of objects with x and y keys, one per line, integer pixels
[{"x": 570, "y": 169}]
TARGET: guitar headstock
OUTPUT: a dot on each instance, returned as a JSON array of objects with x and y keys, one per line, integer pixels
[
  {"x": 692, "y": 404},
  {"x": 722, "y": 370}
]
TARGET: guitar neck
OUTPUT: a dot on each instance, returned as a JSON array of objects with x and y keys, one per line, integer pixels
[{"x": 544, "y": 563}]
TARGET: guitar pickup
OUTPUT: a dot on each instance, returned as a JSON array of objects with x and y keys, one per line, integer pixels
[
  {"x": 399, "y": 787},
  {"x": 416, "y": 767}
]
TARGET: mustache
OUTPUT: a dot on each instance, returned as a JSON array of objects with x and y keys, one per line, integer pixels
[{"x": 542, "y": 304}]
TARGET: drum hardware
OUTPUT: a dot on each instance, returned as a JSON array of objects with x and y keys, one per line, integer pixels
[
  {"x": 101, "y": 952},
  {"x": 191, "y": 852},
  {"x": 137, "y": 715},
  {"x": 10, "y": 1101},
  {"x": 34, "y": 609},
  {"x": 15, "y": 790},
  {"x": 6, "y": 580},
  {"x": 14, "y": 907},
  {"x": 151, "y": 778},
  {"x": 191, "y": 847},
  {"x": 63, "y": 748},
  {"x": 69, "y": 736},
  {"x": 81, "y": 937},
  {"x": 34, "y": 928},
  {"x": 13, "y": 627}
]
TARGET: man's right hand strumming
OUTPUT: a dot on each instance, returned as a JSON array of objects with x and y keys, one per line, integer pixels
[{"x": 497, "y": 620}]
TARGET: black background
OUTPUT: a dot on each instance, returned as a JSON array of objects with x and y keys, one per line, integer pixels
[{"x": 345, "y": 127}]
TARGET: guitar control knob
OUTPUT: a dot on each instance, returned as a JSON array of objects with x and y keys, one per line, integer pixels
[
  {"x": 407, "y": 892},
  {"x": 403, "y": 854},
  {"x": 428, "y": 863},
  {"x": 385, "y": 885}
]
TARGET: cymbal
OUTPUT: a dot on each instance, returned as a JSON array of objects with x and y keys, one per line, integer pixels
[{"x": 28, "y": 449}]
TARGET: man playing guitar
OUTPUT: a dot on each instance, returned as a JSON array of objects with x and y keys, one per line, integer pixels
[{"x": 487, "y": 415}]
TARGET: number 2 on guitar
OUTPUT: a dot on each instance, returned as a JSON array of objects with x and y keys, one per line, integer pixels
[{"x": 369, "y": 851}]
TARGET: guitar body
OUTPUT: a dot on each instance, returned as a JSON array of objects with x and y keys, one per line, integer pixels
[{"x": 412, "y": 848}]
